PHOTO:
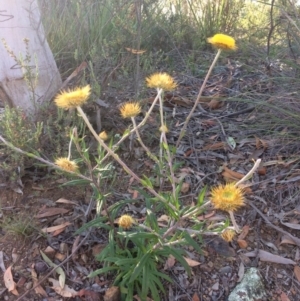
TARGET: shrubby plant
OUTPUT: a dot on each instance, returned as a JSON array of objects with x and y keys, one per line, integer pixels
[
  {"x": 23, "y": 133},
  {"x": 136, "y": 250}
]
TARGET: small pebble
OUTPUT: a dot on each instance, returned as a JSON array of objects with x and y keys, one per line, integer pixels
[
  {"x": 210, "y": 264},
  {"x": 225, "y": 270},
  {"x": 215, "y": 287},
  {"x": 40, "y": 267}
]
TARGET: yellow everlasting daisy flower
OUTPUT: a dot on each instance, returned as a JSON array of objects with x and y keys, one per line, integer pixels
[
  {"x": 103, "y": 135},
  {"x": 227, "y": 197},
  {"x": 73, "y": 98},
  {"x": 222, "y": 41},
  {"x": 66, "y": 164},
  {"x": 126, "y": 221},
  {"x": 130, "y": 109},
  {"x": 161, "y": 80},
  {"x": 228, "y": 235}
]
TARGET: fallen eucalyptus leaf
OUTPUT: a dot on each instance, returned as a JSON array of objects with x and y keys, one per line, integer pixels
[
  {"x": 66, "y": 291},
  {"x": 267, "y": 256},
  {"x": 9, "y": 281},
  {"x": 191, "y": 262},
  {"x": 59, "y": 270}
]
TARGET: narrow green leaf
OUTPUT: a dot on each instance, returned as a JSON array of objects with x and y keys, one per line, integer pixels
[
  {"x": 180, "y": 258},
  {"x": 201, "y": 196},
  {"x": 97, "y": 222},
  {"x": 77, "y": 182},
  {"x": 162, "y": 275},
  {"x": 126, "y": 261},
  {"x": 151, "y": 221},
  {"x": 146, "y": 182},
  {"x": 103, "y": 271},
  {"x": 142, "y": 235},
  {"x": 145, "y": 282},
  {"x": 111, "y": 259},
  {"x": 139, "y": 267},
  {"x": 165, "y": 145},
  {"x": 154, "y": 291},
  {"x": 190, "y": 241}
]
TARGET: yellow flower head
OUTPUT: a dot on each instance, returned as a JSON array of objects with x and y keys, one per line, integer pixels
[
  {"x": 103, "y": 135},
  {"x": 228, "y": 235},
  {"x": 161, "y": 80},
  {"x": 73, "y": 98},
  {"x": 66, "y": 164},
  {"x": 130, "y": 109},
  {"x": 164, "y": 129},
  {"x": 222, "y": 41},
  {"x": 227, "y": 197},
  {"x": 126, "y": 221}
]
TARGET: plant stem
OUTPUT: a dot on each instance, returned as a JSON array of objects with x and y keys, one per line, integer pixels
[
  {"x": 147, "y": 150},
  {"x": 170, "y": 163},
  {"x": 70, "y": 146},
  {"x": 249, "y": 174},
  {"x": 30, "y": 155},
  {"x": 117, "y": 158},
  {"x": 196, "y": 210},
  {"x": 161, "y": 114},
  {"x": 235, "y": 225},
  {"x": 182, "y": 132},
  {"x": 142, "y": 123},
  {"x": 163, "y": 139}
]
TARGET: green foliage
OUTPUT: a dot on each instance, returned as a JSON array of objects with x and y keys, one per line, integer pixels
[
  {"x": 254, "y": 24},
  {"x": 192, "y": 22},
  {"x": 92, "y": 23},
  {"x": 104, "y": 29},
  {"x": 136, "y": 260},
  {"x": 20, "y": 130},
  {"x": 23, "y": 133},
  {"x": 57, "y": 126}
]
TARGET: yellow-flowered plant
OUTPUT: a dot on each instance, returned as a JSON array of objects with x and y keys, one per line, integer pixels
[
  {"x": 161, "y": 81},
  {"x": 228, "y": 235},
  {"x": 73, "y": 98},
  {"x": 126, "y": 221},
  {"x": 222, "y": 41},
  {"x": 66, "y": 164},
  {"x": 164, "y": 128},
  {"x": 227, "y": 197},
  {"x": 103, "y": 135},
  {"x": 130, "y": 109},
  {"x": 135, "y": 247}
]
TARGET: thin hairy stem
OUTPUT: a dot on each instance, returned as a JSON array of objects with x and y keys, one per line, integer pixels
[
  {"x": 235, "y": 225},
  {"x": 147, "y": 150},
  {"x": 117, "y": 158},
  {"x": 70, "y": 146},
  {"x": 170, "y": 163},
  {"x": 196, "y": 210},
  {"x": 182, "y": 132},
  {"x": 249, "y": 174},
  {"x": 142, "y": 123}
]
